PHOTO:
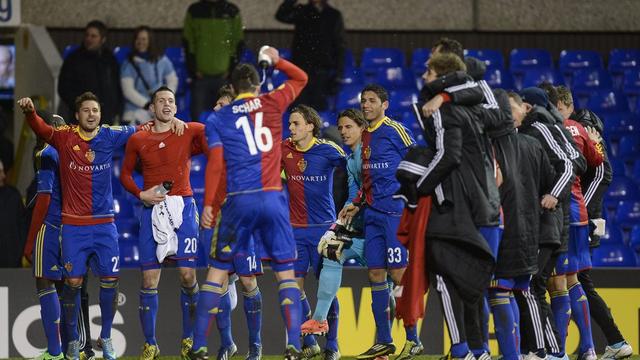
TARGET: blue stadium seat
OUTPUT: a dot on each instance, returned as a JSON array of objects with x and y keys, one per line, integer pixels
[
  {"x": 533, "y": 77},
  {"x": 613, "y": 255},
  {"x": 179, "y": 60},
  {"x": 491, "y": 57},
  {"x": 620, "y": 189},
  {"x": 121, "y": 53},
  {"x": 285, "y": 125},
  {"x": 204, "y": 116},
  {"x": 621, "y": 60},
  {"x": 618, "y": 167},
  {"x": 285, "y": 53},
  {"x": 612, "y": 234},
  {"x": 349, "y": 60},
  {"x": 631, "y": 82},
  {"x": 608, "y": 101},
  {"x": 129, "y": 254},
  {"x": 400, "y": 100},
  {"x": 634, "y": 239},
  {"x": 635, "y": 172},
  {"x": 348, "y": 97},
  {"x": 584, "y": 81},
  {"x": 375, "y": 58},
  {"x": 329, "y": 118},
  {"x": 248, "y": 56},
  {"x": 197, "y": 182},
  {"x": 629, "y": 147},
  {"x": 408, "y": 119},
  {"x": 352, "y": 76},
  {"x": 621, "y": 124},
  {"x": 122, "y": 208},
  {"x": 395, "y": 78},
  {"x": 68, "y": 50},
  {"x": 419, "y": 58},
  {"x": 198, "y": 163},
  {"x": 176, "y": 54},
  {"x": 628, "y": 213},
  {"x": 524, "y": 59},
  {"x": 499, "y": 78},
  {"x": 573, "y": 60}
]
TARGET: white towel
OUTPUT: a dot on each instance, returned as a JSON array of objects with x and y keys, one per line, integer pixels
[{"x": 166, "y": 218}]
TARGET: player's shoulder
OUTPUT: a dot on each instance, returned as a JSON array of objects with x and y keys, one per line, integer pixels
[
  {"x": 194, "y": 127},
  {"x": 49, "y": 152},
  {"x": 288, "y": 144},
  {"x": 328, "y": 145},
  {"x": 396, "y": 128}
]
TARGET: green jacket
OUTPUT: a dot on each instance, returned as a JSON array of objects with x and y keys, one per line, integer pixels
[{"x": 213, "y": 37}]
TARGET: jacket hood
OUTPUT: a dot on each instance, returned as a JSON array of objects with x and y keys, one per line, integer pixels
[{"x": 475, "y": 68}]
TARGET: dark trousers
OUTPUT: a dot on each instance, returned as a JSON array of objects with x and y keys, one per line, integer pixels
[
  {"x": 204, "y": 93},
  {"x": 453, "y": 308},
  {"x": 599, "y": 310}
]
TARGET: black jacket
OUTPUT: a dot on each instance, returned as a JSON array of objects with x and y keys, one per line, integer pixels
[
  {"x": 95, "y": 71},
  {"x": 318, "y": 39}
]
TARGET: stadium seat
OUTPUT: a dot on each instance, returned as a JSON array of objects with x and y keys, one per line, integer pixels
[
  {"x": 629, "y": 147},
  {"x": 129, "y": 254},
  {"x": 628, "y": 214},
  {"x": 395, "y": 78},
  {"x": 634, "y": 239},
  {"x": 419, "y": 58},
  {"x": 375, "y": 58},
  {"x": 635, "y": 171},
  {"x": 608, "y": 101},
  {"x": 620, "y": 189},
  {"x": 352, "y": 76},
  {"x": 198, "y": 163},
  {"x": 348, "y": 97},
  {"x": 68, "y": 50},
  {"x": 621, "y": 60},
  {"x": 521, "y": 60},
  {"x": 584, "y": 81},
  {"x": 400, "y": 100},
  {"x": 329, "y": 118},
  {"x": 176, "y": 55},
  {"x": 408, "y": 119},
  {"x": 499, "y": 78},
  {"x": 613, "y": 255},
  {"x": 178, "y": 58},
  {"x": 612, "y": 235},
  {"x": 618, "y": 167},
  {"x": 121, "y": 53},
  {"x": 197, "y": 182},
  {"x": 248, "y": 56},
  {"x": 536, "y": 76},
  {"x": 620, "y": 124},
  {"x": 491, "y": 57},
  {"x": 122, "y": 208},
  {"x": 285, "y": 53},
  {"x": 631, "y": 83},
  {"x": 349, "y": 60},
  {"x": 573, "y": 60}
]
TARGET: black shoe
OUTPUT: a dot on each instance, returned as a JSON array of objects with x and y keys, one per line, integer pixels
[
  {"x": 199, "y": 354},
  {"x": 291, "y": 353},
  {"x": 331, "y": 355},
  {"x": 377, "y": 350}
]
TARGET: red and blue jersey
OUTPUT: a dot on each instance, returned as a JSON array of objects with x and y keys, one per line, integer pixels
[
  {"x": 46, "y": 161},
  {"x": 250, "y": 132},
  {"x": 594, "y": 157},
  {"x": 309, "y": 174},
  {"x": 383, "y": 147},
  {"x": 85, "y": 168}
]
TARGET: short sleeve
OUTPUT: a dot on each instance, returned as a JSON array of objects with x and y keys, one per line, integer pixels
[{"x": 120, "y": 134}]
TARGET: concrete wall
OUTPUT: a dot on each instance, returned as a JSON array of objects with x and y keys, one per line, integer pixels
[{"x": 420, "y": 15}]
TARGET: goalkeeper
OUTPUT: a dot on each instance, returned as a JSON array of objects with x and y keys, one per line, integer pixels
[{"x": 343, "y": 241}]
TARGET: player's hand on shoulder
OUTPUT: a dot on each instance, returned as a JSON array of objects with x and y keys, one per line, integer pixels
[
  {"x": 207, "y": 217},
  {"x": 26, "y": 104},
  {"x": 178, "y": 126},
  {"x": 151, "y": 196}
]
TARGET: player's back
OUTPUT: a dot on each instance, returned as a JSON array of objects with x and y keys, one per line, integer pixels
[{"x": 250, "y": 132}]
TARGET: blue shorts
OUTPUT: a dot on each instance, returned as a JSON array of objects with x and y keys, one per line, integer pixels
[
  {"x": 493, "y": 235},
  {"x": 307, "y": 240},
  {"x": 187, "y": 238},
  {"x": 96, "y": 245},
  {"x": 579, "y": 255},
  {"x": 517, "y": 283},
  {"x": 562, "y": 264},
  {"x": 47, "y": 262},
  {"x": 263, "y": 213},
  {"x": 246, "y": 262},
  {"x": 382, "y": 247}
]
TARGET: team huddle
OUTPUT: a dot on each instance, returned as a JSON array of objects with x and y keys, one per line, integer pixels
[{"x": 497, "y": 192}]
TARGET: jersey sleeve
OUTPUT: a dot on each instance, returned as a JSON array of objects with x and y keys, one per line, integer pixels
[
  {"x": 199, "y": 141},
  {"x": 52, "y": 136},
  {"x": 289, "y": 91},
  {"x": 337, "y": 156},
  {"x": 402, "y": 139},
  {"x": 211, "y": 132},
  {"x": 128, "y": 165},
  {"x": 47, "y": 172},
  {"x": 120, "y": 134}
]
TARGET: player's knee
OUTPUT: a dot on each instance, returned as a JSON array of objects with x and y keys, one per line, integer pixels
[
  {"x": 572, "y": 280},
  {"x": 187, "y": 278},
  {"x": 42, "y": 283},
  {"x": 557, "y": 283},
  {"x": 150, "y": 279},
  {"x": 396, "y": 275},
  {"x": 74, "y": 282},
  {"x": 377, "y": 275},
  {"x": 248, "y": 282}
]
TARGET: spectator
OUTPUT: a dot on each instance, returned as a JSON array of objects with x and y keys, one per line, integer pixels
[
  {"x": 7, "y": 77},
  {"x": 144, "y": 71},
  {"x": 318, "y": 47},
  {"x": 92, "y": 67},
  {"x": 213, "y": 39},
  {"x": 12, "y": 236}
]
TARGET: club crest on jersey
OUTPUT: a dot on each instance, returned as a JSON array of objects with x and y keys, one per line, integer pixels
[
  {"x": 68, "y": 266},
  {"x": 302, "y": 165},
  {"x": 367, "y": 153},
  {"x": 90, "y": 155}
]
